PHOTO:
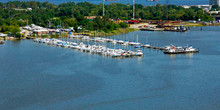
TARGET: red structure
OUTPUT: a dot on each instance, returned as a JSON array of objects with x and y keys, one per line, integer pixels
[{"x": 132, "y": 21}]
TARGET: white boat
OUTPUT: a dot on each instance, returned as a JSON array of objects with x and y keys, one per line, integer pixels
[
  {"x": 168, "y": 47},
  {"x": 132, "y": 43},
  {"x": 114, "y": 42},
  {"x": 146, "y": 45},
  {"x": 36, "y": 40},
  {"x": 139, "y": 53},
  {"x": 115, "y": 54},
  {"x": 125, "y": 44},
  {"x": 190, "y": 49},
  {"x": 120, "y": 41},
  {"x": 86, "y": 38}
]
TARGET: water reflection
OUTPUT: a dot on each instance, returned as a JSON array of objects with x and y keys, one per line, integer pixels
[
  {"x": 172, "y": 56},
  {"x": 139, "y": 60},
  {"x": 188, "y": 55}
]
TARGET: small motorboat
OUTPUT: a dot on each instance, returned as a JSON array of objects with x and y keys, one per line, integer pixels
[
  {"x": 1, "y": 42},
  {"x": 138, "y": 46},
  {"x": 190, "y": 49},
  {"x": 146, "y": 45},
  {"x": 139, "y": 53}
]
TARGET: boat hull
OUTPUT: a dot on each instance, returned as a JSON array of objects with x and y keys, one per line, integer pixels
[{"x": 181, "y": 52}]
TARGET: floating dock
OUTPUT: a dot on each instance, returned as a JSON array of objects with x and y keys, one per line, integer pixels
[
  {"x": 156, "y": 48},
  {"x": 170, "y": 49},
  {"x": 95, "y": 49}
]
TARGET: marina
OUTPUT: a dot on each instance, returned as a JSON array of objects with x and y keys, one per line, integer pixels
[
  {"x": 103, "y": 50},
  {"x": 109, "y": 55},
  {"x": 49, "y": 77}
]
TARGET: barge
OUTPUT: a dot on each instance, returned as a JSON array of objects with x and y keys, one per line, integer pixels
[{"x": 181, "y": 50}]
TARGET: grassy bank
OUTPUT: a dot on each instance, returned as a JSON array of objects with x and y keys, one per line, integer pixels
[
  {"x": 186, "y": 24},
  {"x": 102, "y": 33},
  {"x": 9, "y": 38}
]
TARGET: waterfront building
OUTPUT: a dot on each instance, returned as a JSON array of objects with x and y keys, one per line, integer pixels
[
  {"x": 214, "y": 2},
  {"x": 3, "y": 35},
  {"x": 199, "y": 6}
]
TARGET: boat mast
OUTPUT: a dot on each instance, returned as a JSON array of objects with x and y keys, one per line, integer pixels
[
  {"x": 60, "y": 31},
  {"x": 114, "y": 41},
  {"x": 95, "y": 37}
]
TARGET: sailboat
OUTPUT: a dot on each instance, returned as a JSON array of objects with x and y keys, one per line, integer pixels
[
  {"x": 137, "y": 45},
  {"x": 126, "y": 43},
  {"x": 146, "y": 44},
  {"x": 114, "y": 41}
]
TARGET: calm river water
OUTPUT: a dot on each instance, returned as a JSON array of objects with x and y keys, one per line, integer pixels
[{"x": 41, "y": 77}]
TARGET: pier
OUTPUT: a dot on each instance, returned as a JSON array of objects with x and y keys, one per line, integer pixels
[
  {"x": 95, "y": 49},
  {"x": 102, "y": 50}
]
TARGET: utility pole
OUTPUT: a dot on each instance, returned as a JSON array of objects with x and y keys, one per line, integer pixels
[
  {"x": 103, "y": 8},
  {"x": 166, "y": 10},
  {"x": 133, "y": 9}
]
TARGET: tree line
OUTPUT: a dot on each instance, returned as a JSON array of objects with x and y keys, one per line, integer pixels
[{"x": 71, "y": 14}]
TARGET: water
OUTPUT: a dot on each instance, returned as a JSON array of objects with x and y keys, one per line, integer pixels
[
  {"x": 144, "y": 2},
  {"x": 41, "y": 77}
]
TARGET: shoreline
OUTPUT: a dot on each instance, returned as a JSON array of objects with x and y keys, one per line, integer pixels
[{"x": 98, "y": 34}]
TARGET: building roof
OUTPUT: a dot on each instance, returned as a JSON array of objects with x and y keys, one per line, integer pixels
[
  {"x": 92, "y": 17},
  {"x": 3, "y": 35}
]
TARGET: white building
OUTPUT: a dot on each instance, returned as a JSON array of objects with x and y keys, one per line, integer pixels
[
  {"x": 214, "y": 2},
  {"x": 199, "y": 6},
  {"x": 3, "y": 35},
  {"x": 29, "y": 9}
]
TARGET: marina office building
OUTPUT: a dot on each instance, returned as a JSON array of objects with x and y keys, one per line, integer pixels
[{"x": 214, "y": 2}]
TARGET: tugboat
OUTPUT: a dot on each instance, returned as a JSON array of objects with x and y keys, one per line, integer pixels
[{"x": 1, "y": 42}]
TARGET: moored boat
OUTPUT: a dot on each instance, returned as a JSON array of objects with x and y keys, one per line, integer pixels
[
  {"x": 180, "y": 50},
  {"x": 2, "y": 42},
  {"x": 96, "y": 49}
]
